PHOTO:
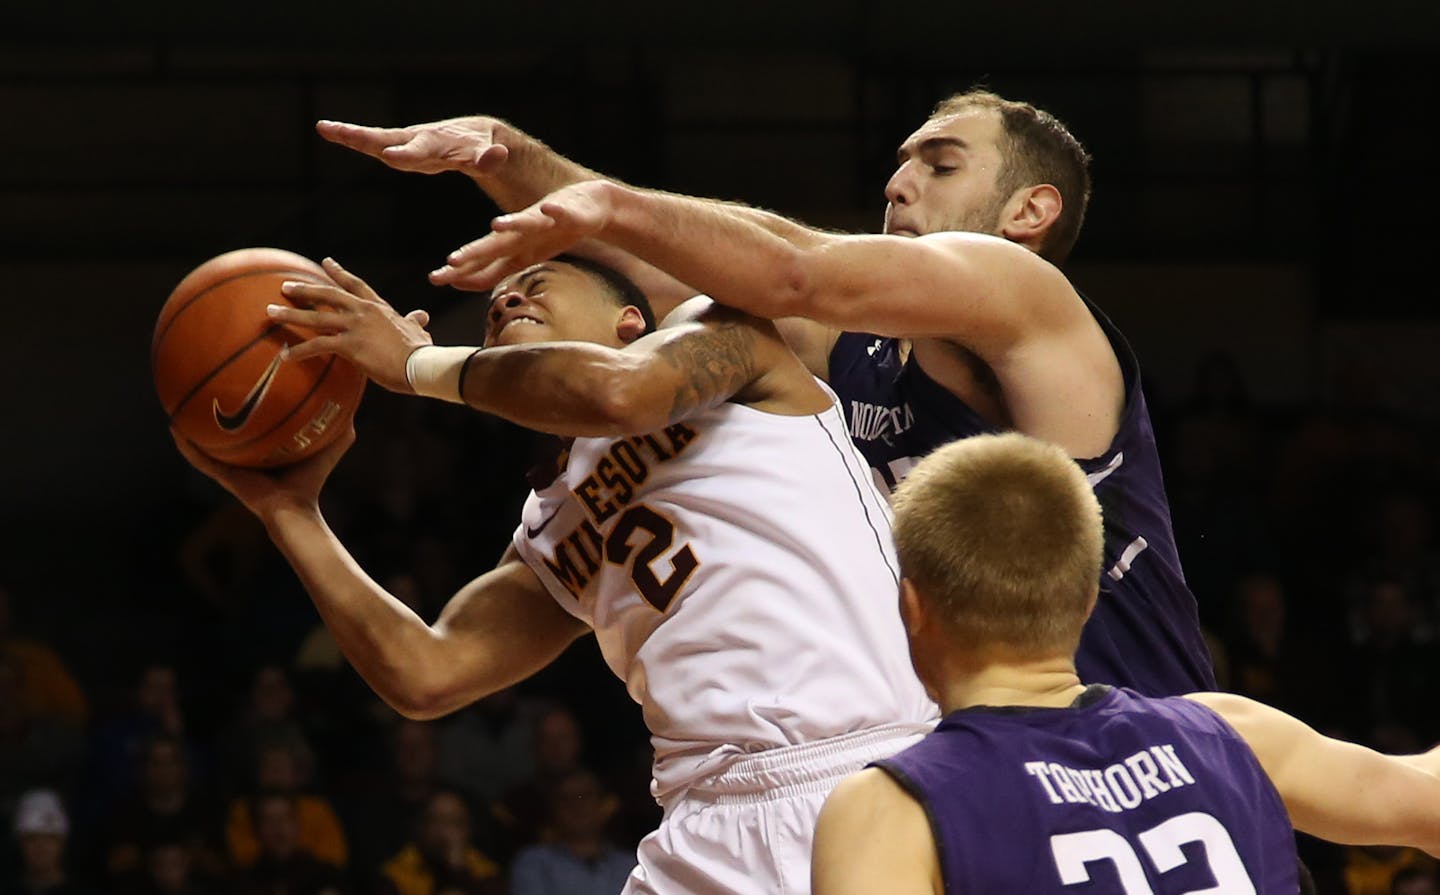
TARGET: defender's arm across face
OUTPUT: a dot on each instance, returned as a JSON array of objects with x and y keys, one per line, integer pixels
[
  {"x": 1018, "y": 313},
  {"x": 1339, "y": 791}
]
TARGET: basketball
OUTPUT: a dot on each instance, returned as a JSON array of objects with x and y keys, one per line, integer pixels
[{"x": 216, "y": 362}]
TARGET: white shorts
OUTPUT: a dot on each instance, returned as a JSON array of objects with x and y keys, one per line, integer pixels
[{"x": 748, "y": 830}]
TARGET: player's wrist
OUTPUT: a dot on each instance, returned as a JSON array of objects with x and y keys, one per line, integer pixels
[{"x": 436, "y": 371}]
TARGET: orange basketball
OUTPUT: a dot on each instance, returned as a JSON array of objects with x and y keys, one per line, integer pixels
[{"x": 216, "y": 363}]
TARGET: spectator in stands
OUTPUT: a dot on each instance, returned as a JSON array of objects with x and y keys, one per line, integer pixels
[
  {"x": 1393, "y": 670},
  {"x": 36, "y": 751},
  {"x": 580, "y": 860},
  {"x": 441, "y": 859},
  {"x": 166, "y": 807},
  {"x": 382, "y": 817},
  {"x": 1373, "y": 869},
  {"x": 525, "y": 808},
  {"x": 42, "y": 830},
  {"x": 280, "y": 768},
  {"x": 1415, "y": 881},
  {"x": 49, "y": 689},
  {"x": 153, "y": 709},
  {"x": 268, "y": 715},
  {"x": 489, "y": 744},
  {"x": 283, "y": 867}
]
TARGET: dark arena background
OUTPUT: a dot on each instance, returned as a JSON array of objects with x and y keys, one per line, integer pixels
[{"x": 1263, "y": 228}]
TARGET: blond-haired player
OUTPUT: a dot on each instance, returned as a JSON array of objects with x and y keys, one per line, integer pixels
[{"x": 1034, "y": 782}]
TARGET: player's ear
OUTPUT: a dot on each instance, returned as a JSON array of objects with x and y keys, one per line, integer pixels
[
  {"x": 631, "y": 324},
  {"x": 1030, "y": 214},
  {"x": 1094, "y": 598},
  {"x": 912, "y": 608}
]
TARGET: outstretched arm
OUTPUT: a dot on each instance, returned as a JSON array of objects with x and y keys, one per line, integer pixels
[
  {"x": 1018, "y": 313},
  {"x": 498, "y": 630},
  {"x": 1336, "y": 790},
  {"x": 980, "y": 288},
  {"x": 705, "y": 355},
  {"x": 873, "y": 837},
  {"x": 512, "y": 167}
]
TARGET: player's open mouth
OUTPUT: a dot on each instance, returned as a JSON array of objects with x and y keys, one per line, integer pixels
[{"x": 518, "y": 319}]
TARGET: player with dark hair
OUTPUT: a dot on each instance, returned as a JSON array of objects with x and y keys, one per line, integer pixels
[
  {"x": 710, "y": 522},
  {"x": 957, "y": 321},
  {"x": 1034, "y": 782}
]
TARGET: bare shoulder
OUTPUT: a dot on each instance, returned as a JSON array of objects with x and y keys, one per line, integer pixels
[
  {"x": 717, "y": 351},
  {"x": 1270, "y": 733},
  {"x": 873, "y": 836},
  {"x": 872, "y": 804},
  {"x": 705, "y": 310},
  {"x": 873, "y": 791},
  {"x": 1236, "y": 710}
]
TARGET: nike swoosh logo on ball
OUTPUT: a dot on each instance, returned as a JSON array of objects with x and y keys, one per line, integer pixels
[{"x": 234, "y": 422}]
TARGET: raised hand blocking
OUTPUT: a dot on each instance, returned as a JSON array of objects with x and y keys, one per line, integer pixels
[
  {"x": 466, "y": 145},
  {"x": 548, "y": 228}
]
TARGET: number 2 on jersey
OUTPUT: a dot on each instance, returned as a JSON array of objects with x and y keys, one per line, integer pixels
[
  {"x": 1161, "y": 843},
  {"x": 618, "y": 548}
]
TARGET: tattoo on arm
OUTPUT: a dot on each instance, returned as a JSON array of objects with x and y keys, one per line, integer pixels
[{"x": 712, "y": 365}]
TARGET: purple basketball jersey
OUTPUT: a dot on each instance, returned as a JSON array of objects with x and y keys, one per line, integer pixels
[
  {"x": 1145, "y": 632},
  {"x": 1119, "y": 793}
]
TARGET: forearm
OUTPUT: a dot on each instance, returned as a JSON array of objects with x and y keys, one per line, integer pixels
[
  {"x": 386, "y": 642},
  {"x": 743, "y": 257},
  {"x": 571, "y": 389}
]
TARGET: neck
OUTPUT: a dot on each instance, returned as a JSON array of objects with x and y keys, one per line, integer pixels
[{"x": 1043, "y": 683}]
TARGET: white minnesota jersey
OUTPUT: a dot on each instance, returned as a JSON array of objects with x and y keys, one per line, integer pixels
[{"x": 739, "y": 574}]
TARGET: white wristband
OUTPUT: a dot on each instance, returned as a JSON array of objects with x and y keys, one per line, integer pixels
[{"x": 434, "y": 371}]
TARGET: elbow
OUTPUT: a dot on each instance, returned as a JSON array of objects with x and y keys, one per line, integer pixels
[
  {"x": 793, "y": 293},
  {"x": 622, "y": 400},
  {"x": 418, "y": 711},
  {"x": 419, "y": 702},
  {"x": 626, "y": 407},
  {"x": 419, "y": 693}
]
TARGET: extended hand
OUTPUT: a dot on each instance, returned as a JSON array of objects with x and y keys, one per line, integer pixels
[
  {"x": 355, "y": 323},
  {"x": 466, "y": 145},
  {"x": 264, "y": 492},
  {"x": 549, "y": 227}
]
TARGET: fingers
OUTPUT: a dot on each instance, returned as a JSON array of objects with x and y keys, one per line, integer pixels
[
  {"x": 531, "y": 220},
  {"x": 420, "y": 317},
  {"x": 191, "y": 453},
  {"x": 223, "y": 473},
  {"x": 478, "y": 276},
  {"x": 369, "y": 140},
  {"x": 320, "y": 321},
  {"x": 315, "y": 347},
  {"x": 319, "y": 294},
  {"x": 465, "y": 283},
  {"x": 496, "y": 244},
  {"x": 349, "y": 282},
  {"x": 489, "y": 159}
]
